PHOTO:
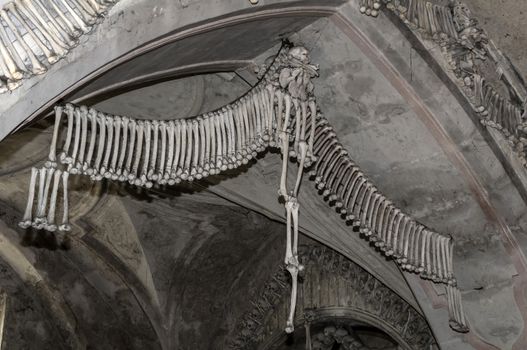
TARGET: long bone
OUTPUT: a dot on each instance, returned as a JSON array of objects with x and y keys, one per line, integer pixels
[
  {"x": 253, "y": 123},
  {"x": 133, "y": 176},
  {"x": 87, "y": 166},
  {"x": 366, "y": 212},
  {"x": 412, "y": 264},
  {"x": 58, "y": 51},
  {"x": 339, "y": 153},
  {"x": 247, "y": 130},
  {"x": 280, "y": 104},
  {"x": 64, "y": 155},
  {"x": 336, "y": 179},
  {"x": 130, "y": 151},
  {"x": 178, "y": 163},
  {"x": 233, "y": 136},
  {"x": 27, "y": 219},
  {"x": 72, "y": 167},
  {"x": 10, "y": 66},
  {"x": 208, "y": 139},
  {"x": 356, "y": 206},
  {"x": 108, "y": 149},
  {"x": 243, "y": 133},
  {"x": 152, "y": 175},
  {"x": 36, "y": 66},
  {"x": 372, "y": 217},
  {"x": 358, "y": 179},
  {"x": 79, "y": 23},
  {"x": 291, "y": 266},
  {"x": 195, "y": 150},
  {"x": 186, "y": 149},
  {"x": 41, "y": 217},
  {"x": 393, "y": 214},
  {"x": 409, "y": 231},
  {"x": 65, "y": 225},
  {"x": 363, "y": 202},
  {"x": 404, "y": 231},
  {"x": 73, "y": 31},
  {"x": 268, "y": 96},
  {"x": 293, "y": 152},
  {"x": 262, "y": 113},
  {"x": 52, "y": 157},
  {"x": 381, "y": 223},
  {"x": 60, "y": 30},
  {"x": 395, "y": 239},
  {"x": 117, "y": 123},
  {"x": 171, "y": 136},
  {"x": 332, "y": 184},
  {"x": 225, "y": 138},
  {"x": 142, "y": 178},
  {"x": 329, "y": 147},
  {"x": 84, "y": 134},
  {"x": 202, "y": 144},
  {"x": 230, "y": 139},
  {"x": 285, "y": 145},
  {"x": 218, "y": 163},
  {"x": 162, "y": 154},
  {"x": 50, "y": 222},
  {"x": 88, "y": 14},
  {"x": 342, "y": 209},
  {"x": 101, "y": 119},
  {"x": 48, "y": 31}
]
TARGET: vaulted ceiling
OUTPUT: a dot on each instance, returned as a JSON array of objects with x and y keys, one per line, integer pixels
[{"x": 193, "y": 266}]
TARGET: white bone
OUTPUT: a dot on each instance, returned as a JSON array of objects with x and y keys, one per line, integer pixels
[
  {"x": 188, "y": 156},
  {"x": 50, "y": 225},
  {"x": 67, "y": 25},
  {"x": 72, "y": 167},
  {"x": 116, "y": 151},
  {"x": 171, "y": 127},
  {"x": 41, "y": 217},
  {"x": 130, "y": 152},
  {"x": 133, "y": 177},
  {"x": 52, "y": 157},
  {"x": 108, "y": 149},
  {"x": 80, "y": 24},
  {"x": 9, "y": 57},
  {"x": 152, "y": 175},
  {"x": 84, "y": 132},
  {"x": 65, "y": 225},
  {"x": 64, "y": 156},
  {"x": 101, "y": 119},
  {"x": 87, "y": 167},
  {"x": 163, "y": 132},
  {"x": 195, "y": 150},
  {"x": 27, "y": 219},
  {"x": 146, "y": 159}
]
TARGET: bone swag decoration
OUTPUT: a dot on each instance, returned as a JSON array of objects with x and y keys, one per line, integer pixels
[
  {"x": 280, "y": 112},
  {"x": 465, "y": 46},
  {"x": 35, "y": 34}
]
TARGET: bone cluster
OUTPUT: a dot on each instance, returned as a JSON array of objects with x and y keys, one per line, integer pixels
[
  {"x": 35, "y": 34},
  {"x": 496, "y": 111},
  {"x": 412, "y": 245},
  {"x": 45, "y": 187},
  {"x": 370, "y": 7},
  {"x": 147, "y": 152},
  {"x": 425, "y": 15}
]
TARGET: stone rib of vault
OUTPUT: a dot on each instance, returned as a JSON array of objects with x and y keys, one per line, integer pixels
[
  {"x": 34, "y": 34},
  {"x": 279, "y": 112}
]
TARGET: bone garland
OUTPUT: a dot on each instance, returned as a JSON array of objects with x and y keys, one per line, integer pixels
[
  {"x": 47, "y": 189},
  {"x": 233, "y": 135},
  {"x": 415, "y": 248},
  {"x": 42, "y": 34},
  {"x": 464, "y": 44}
]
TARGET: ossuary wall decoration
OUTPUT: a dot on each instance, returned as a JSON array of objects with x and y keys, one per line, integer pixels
[
  {"x": 34, "y": 34},
  {"x": 500, "y": 103},
  {"x": 279, "y": 112}
]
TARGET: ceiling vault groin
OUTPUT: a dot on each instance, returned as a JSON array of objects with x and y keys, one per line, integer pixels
[{"x": 280, "y": 112}]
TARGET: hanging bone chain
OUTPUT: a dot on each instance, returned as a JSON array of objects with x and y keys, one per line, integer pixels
[
  {"x": 35, "y": 34},
  {"x": 281, "y": 112}
]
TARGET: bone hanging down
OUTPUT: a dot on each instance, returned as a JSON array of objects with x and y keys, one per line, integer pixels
[
  {"x": 280, "y": 112},
  {"x": 45, "y": 183}
]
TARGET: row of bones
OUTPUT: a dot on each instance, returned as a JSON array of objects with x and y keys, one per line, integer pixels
[
  {"x": 145, "y": 152},
  {"x": 37, "y": 33}
]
